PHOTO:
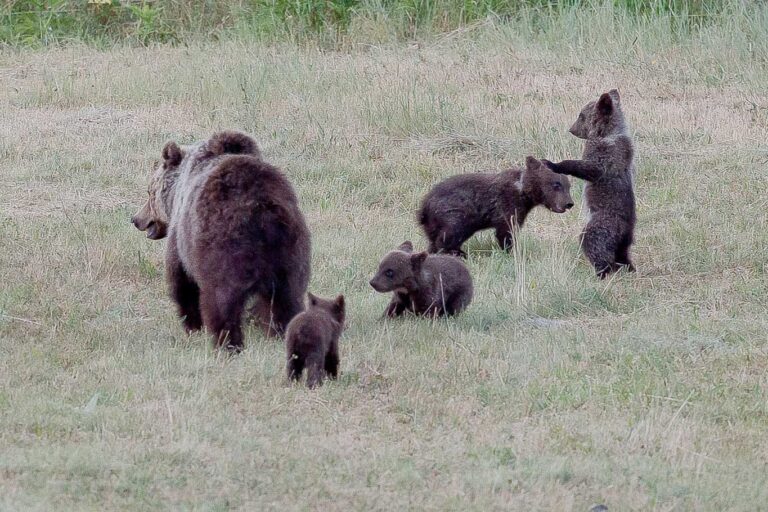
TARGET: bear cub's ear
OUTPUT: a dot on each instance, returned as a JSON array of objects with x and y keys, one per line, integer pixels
[
  {"x": 406, "y": 246},
  {"x": 338, "y": 304},
  {"x": 312, "y": 299},
  {"x": 172, "y": 154},
  {"x": 232, "y": 143},
  {"x": 531, "y": 164},
  {"x": 605, "y": 104},
  {"x": 417, "y": 260}
]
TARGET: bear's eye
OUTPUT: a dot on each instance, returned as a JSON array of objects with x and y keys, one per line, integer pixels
[
  {"x": 556, "y": 186},
  {"x": 389, "y": 273},
  {"x": 581, "y": 117}
]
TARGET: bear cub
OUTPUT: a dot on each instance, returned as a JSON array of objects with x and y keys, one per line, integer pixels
[
  {"x": 312, "y": 340},
  {"x": 607, "y": 165},
  {"x": 235, "y": 231},
  {"x": 458, "y": 207},
  {"x": 425, "y": 284}
]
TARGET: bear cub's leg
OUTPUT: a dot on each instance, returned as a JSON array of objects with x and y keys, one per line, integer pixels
[
  {"x": 398, "y": 305},
  {"x": 332, "y": 361},
  {"x": 504, "y": 236},
  {"x": 622, "y": 255},
  {"x": 600, "y": 247},
  {"x": 448, "y": 241},
  {"x": 295, "y": 367},
  {"x": 315, "y": 370}
]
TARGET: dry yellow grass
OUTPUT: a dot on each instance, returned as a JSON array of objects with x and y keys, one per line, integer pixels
[{"x": 552, "y": 392}]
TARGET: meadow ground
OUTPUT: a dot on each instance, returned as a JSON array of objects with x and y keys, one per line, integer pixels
[{"x": 553, "y": 391}]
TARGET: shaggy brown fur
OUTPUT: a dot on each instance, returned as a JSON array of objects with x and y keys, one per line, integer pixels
[
  {"x": 234, "y": 231},
  {"x": 460, "y": 206},
  {"x": 608, "y": 167},
  {"x": 429, "y": 285},
  {"x": 312, "y": 340}
]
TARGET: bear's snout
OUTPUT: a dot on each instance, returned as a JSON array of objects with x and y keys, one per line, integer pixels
[
  {"x": 155, "y": 230},
  {"x": 578, "y": 131},
  {"x": 376, "y": 286}
]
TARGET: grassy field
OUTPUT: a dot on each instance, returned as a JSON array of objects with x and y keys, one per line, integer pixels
[{"x": 554, "y": 391}]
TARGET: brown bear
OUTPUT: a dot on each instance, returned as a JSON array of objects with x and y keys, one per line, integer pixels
[
  {"x": 425, "y": 284},
  {"x": 458, "y": 207},
  {"x": 312, "y": 340},
  {"x": 607, "y": 165},
  {"x": 234, "y": 230}
]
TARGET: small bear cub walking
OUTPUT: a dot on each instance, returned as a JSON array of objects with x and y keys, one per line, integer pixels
[
  {"x": 458, "y": 207},
  {"x": 425, "y": 284},
  {"x": 607, "y": 165},
  {"x": 312, "y": 340}
]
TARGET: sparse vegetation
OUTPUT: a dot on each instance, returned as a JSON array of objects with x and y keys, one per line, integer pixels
[{"x": 553, "y": 391}]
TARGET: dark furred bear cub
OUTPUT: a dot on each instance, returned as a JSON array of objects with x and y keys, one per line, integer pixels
[
  {"x": 312, "y": 340},
  {"x": 607, "y": 165},
  {"x": 234, "y": 231},
  {"x": 460, "y": 206},
  {"x": 428, "y": 285}
]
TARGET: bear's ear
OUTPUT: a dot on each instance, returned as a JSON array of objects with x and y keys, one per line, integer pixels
[
  {"x": 233, "y": 143},
  {"x": 614, "y": 94},
  {"x": 605, "y": 104},
  {"x": 312, "y": 299},
  {"x": 417, "y": 260},
  {"x": 406, "y": 246},
  {"x": 172, "y": 154},
  {"x": 531, "y": 164},
  {"x": 338, "y": 304}
]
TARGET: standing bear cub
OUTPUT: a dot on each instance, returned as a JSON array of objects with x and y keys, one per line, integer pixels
[
  {"x": 312, "y": 340},
  {"x": 428, "y": 285},
  {"x": 460, "y": 206},
  {"x": 234, "y": 230},
  {"x": 607, "y": 165}
]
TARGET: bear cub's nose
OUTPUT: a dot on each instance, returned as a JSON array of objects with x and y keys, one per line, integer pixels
[{"x": 569, "y": 206}]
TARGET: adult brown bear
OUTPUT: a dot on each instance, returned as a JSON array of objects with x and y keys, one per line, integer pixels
[{"x": 234, "y": 230}]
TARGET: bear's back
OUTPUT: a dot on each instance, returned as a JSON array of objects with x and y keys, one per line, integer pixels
[
  {"x": 244, "y": 178},
  {"x": 244, "y": 207},
  {"x": 453, "y": 271}
]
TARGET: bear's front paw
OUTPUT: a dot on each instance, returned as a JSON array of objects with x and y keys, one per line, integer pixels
[
  {"x": 393, "y": 310},
  {"x": 550, "y": 165},
  {"x": 458, "y": 253},
  {"x": 192, "y": 324}
]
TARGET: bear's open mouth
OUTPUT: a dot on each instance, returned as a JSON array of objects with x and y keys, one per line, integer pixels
[{"x": 155, "y": 231}]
